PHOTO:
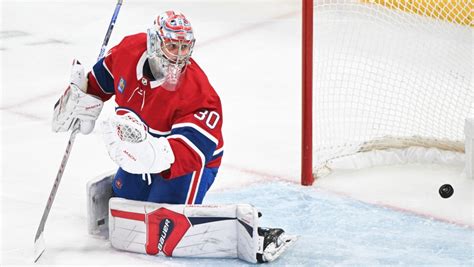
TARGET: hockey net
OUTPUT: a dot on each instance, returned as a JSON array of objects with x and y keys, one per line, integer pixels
[{"x": 390, "y": 75}]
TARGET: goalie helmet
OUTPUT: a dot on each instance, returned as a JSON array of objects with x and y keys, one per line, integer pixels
[{"x": 170, "y": 43}]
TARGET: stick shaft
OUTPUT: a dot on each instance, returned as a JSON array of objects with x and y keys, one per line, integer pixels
[
  {"x": 109, "y": 30},
  {"x": 59, "y": 175}
]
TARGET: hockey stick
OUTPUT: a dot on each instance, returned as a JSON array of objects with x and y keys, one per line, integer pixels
[{"x": 39, "y": 245}]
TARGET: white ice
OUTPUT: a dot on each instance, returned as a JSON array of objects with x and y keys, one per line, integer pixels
[{"x": 251, "y": 52}]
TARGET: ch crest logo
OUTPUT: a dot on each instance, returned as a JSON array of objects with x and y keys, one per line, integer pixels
[{"x": 144, "y": 81}]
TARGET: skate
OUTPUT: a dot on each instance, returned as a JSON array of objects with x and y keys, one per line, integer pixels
[{"x": 272, "y": 243}]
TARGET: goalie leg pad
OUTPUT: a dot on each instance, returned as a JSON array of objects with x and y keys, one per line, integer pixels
[
  {"x": 217, "y": 231},
  {"x": 99, "y": 191}
]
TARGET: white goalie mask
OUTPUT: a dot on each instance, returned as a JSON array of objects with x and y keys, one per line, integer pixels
[{"x": 170, "y": 43}]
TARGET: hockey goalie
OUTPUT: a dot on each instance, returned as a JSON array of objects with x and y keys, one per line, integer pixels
[{"x": 166, "y": 138}]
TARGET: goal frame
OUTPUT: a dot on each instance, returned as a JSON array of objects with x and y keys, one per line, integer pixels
[{"x": 307, "y": 177}]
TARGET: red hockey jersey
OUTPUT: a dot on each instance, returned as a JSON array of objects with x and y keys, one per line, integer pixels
[{"x": 190, "y": 117}]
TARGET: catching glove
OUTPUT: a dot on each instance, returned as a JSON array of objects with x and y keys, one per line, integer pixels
[{"x": 131, "y": 146}]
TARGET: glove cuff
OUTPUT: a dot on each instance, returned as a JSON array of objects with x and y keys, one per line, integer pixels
[{"x": 163, "y": 150}]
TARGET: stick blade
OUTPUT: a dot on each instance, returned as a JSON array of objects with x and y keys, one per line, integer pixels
[{"x": 39, "y": 247}]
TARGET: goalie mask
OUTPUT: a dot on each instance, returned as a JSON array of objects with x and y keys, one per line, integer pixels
[{"x": 170, "y": 44}]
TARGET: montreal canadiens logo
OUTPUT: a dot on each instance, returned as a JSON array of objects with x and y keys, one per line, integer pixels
[{"x": 118, "y": 183}]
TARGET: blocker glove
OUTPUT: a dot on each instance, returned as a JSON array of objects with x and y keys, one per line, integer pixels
[
  {"x": 131, "y": 146},
  {"x": 75, "y": 104}
]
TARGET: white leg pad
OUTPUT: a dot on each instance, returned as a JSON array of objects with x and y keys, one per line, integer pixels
[
  {"x": 99, "y": 191},
  {"x": 210, "y": 231}
]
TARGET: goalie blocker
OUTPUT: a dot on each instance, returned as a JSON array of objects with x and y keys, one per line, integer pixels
[{"x": 202, "y": 231}]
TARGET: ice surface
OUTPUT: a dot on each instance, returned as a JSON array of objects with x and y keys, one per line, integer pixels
[
  {"x": 335, "y": 230},
  {"x": 252, "y": 57}
]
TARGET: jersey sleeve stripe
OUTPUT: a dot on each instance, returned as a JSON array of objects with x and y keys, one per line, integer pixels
[
  {"x": 197, "y": 128},
  {"x": 201, "y": 141},
  {"x": 216, "y": 156},
  {"x": 158, "y": 133},
  {"x": 106, "y": 68},
  {"x": 218, "y": 151},
  {"x": 191, "y": 145},
  {"x": 103, "y": 77}
]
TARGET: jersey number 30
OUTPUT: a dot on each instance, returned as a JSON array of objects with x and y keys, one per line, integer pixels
[{"x": 212, "y": 117}]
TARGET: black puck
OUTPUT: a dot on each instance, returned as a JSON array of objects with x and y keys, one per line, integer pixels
[{"x": 446, "y": 191}]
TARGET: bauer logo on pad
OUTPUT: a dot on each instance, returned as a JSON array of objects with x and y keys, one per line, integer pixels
[{"x": 121, "y": 85}]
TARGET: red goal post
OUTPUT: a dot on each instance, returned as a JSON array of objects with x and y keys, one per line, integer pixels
[
  {"x": 387, "y": 74},
  {"x": 307, "y": 93}
]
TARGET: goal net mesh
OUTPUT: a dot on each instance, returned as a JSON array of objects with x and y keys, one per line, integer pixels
[{"x": 390, "y": 74}]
